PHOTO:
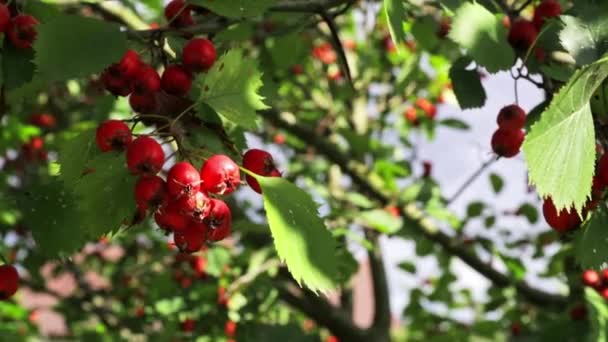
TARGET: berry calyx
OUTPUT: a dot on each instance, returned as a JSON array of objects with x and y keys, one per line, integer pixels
[
  {"x": 5, "y": 17},
  {"x": 9, "y": 281},
  {"x": 506, "y": 143},
  {"x": 146, "y": 80},
  {"x": 198, "y": 55},
  {"x": 511, "y": 117},
  {"x": 143, "y": 103},
  {"x": 220, "y": 175},
  {"x": 176, "y": 80},
  {"x": 591, "y": 278},
  {"x": 194, "y": 206},
  {"x": 183, "y": 179},
  {"x": 178, "y": 14},
  {"x": 192, "y": 238},
  {"x": 259, "y": 162},
  {"x": 112, "y": 135},
  {"x": 170, "y": 218},
  {"x": 546, "y": 10},
  {"x": 522, "y": 34},
  {"x": 145, "y": 156},
  {"x": 218, "y": 221},
  {"x": 22, "y": 31},
  {"x": 563, "y": 221},
  {"x": 150, "y": 192}
]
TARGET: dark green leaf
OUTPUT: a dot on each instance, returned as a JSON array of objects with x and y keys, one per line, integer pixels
[
  {"x": 454, "y": 123},
  {"x": 467, "y": 85},
  {"x": 475, "y": 209},
  {"x": 497, "y": 182},
  {"x": 395, "y": 16},
  {"x": 74, "y": 153},
  {"x": 236, "y": 8},
  {"x": 591, "y": 240},
  {"x": 529, "y": 211}
]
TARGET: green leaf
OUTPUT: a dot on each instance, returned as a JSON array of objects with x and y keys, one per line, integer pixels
[
  {"x": 17, "y": 66},
  {"x": 74, "y": 153},
  {"x": 381, "y": 220},
  {"x": 515, "y": 267},
  {"x": 489, "y": 221},
  {"x": 395, "y": 16},
  {"x": 230, "y": 88},
  {"x": 467, "y": 85},
  {"x": 300, "y": 236},
  {"x": 585, "y": 37},
  {"x": 236, "y": 8},
  {"x": 483, "y": 36},
  {"x": 529, "y": 211},
  {"x": 598, "y": 315},
  {"x": 455, "y": 123},
  {"x": 70, "y": 46},
  {"x": 497, "y": 182},
  {"x": 590, "y": 244},
  {"x": 475, "y": 209},
  {"x": 106, "y": 194},
  {"x": 424, "y": 30},
  {"x": 408, "y": 266},
  {"x": 562, "y": 143},
  {"x": 217, "y": 258}
]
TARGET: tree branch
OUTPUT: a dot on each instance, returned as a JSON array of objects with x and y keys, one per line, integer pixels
[{"x": 382, "y": 310}]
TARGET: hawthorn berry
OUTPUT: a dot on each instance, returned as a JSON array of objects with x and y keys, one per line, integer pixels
[
  {"x": 194, "y": 205},
  {"x": 146, "y": 80},
  {"x": 297, "y": 69},
  {"x": 145, "y": 156},
  {"x": 9, "y": 281},
  {"x": 188, "y": 325},
  {"x": 511, "y": 117},
  {"x": 427, "y": 107},
  {"x": 591, "y": 278},
  {"x": 179, "y": 14},
  {"x": 198, "y": 55},
  {"x": 183, "y": 179},
  {"x": 604, "y": 276},
  {"x": 115, "y": 82},
  {"x": 325, "y": 53},
  {"x": 506, "y": 143},
  {"x": 522, "y": 34},
  {"x": 5, "y": 17},
  {"x": 198, "y": 264},
  {"x": 143, "y": 103},
  {"x": 176, "y": 80},
  {"x": 43, "y": 120},
  {"x": 150, "y": 191},
  {"x": 602, "y": 170},
  {"x": 411, "y": 115},
  {"x": 112, "y": 135},
  {"x": 546, "y": 10},
  {"x": 130, "y": 64},
  {"x": 170, "y": 218},
  {"x": 427, "y": 168},
  {"x": 578, "y": 312},
  {"x": 259, "y": 162},
  {"x": 220, "y": 175},
  {"x": 22, "y": 31},
  {"x": 218, "y": 220},
  {"x": 34, "y": 149},
  {"x": 563, "y": 221},
  {"x": 604, "y": 293},
  {"x": 192, "y": 238},
  {"x": 230, "y": 328}
]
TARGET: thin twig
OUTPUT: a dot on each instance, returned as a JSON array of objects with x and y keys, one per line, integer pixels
[{"x": 471, "y": 179}]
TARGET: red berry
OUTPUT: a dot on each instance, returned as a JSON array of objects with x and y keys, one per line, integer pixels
[
  {"x": 546, "y": 10},
  {"x": 199, "y": 264},
  {"x": 34, "y": 149},
  {"x": 506, "y": 143},
  {"x": 183, "y": 179},
  {"x": 143, "y": 103},
  {"x": 145, "y": 156},
  {"x": 115, "y": 82},
  {"x": 325, "y": 53},
  {"x": 259, "y": 162},
  {"x": 176, "y": 80},
  {"x": 22, "y": 31},
  {"x": 170, "y": 218},
  {"x": 516, "y": 328},
  {"x": 578, "y": 312},
  {"x": 178, "y": 14},
  {"x": 218, "y": 220},
  {"x": 130, "y": 64},
  {"x": 112, "y": 135},
  {"x": 194, "y": 206},
  {"x": 604, "y": 276},
  {"x": 511, "y": 118},
  {"x": 146, "y": 80},
  {"x": 43, "y": 120},
  {"x": 220, "y": 175},
  {"x": 9, "y": 281},
  {"x": 297, "y": 69},
  {"x": 427, "y": 167},
  {"x": 591, "y": 278},
  {"x": 192, "y": 238},
  {"x": 188, "y": 325},
  {"x": 602, "y": 170},
  {"x": 5, "y": 18},
  {"x": 427, "y": 107},
  {"x": 198, "y": 55},
  {"x": 411, "y": 115},
  {"x": 522, "y": 34},
  {"x": 604, "y": 293},
  {"x": 562, "y": 222},
  {"x": 150, "y": 191},
  {"x": 230, "y": 328}
]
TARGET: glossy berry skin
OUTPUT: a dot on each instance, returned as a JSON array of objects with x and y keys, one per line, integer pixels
[
  {"x": 145, "y": 156},
  {"x": 143, "y": 103},
  {"x": 506, "y": 143},
  {"x": 411, "y": 115},
  {"x": 198, "y": 55},
  {"x": 427, "y": 107},
  {"x": 192, "y": 238},
  {"x": 150, "y": 192},
  {"x": 194, "y": 206},
  {"x": 176, "y": 80},
  {"x": 230, "y": 328},
  {"x": 178, "y": 14},
  {"x": 522, "y": 34},
  {"x": 198, "y": 264},
  {"x": 220, "y": 175},
  {"x": 511, "y": 118},
  {"x": 604, "y": 293},
  {"x": 602, "y": 170},
  {"x": 130, "y": 64},
  {"x": 183, "y": 179},
  {"x": 146, "y": 80},
  {"x": 170, "y": 218},
  {"x": 5, "y": 18},
  {"x": 115, "y": 82},
  {"x": 43, "y": 120},
  {"x": 9, "y": 281},
  {"x": 112, "y": 135},
  {"x": 188, "y": 325},
  {"x": 219, "y": 220},
  {"x": 562, "y": 222},
  {"x": 546, "y": 10},
  {"x": 259, "y": 162},
  {"x": 22, "y": 31},
  {"x": 591, "y": 278}
]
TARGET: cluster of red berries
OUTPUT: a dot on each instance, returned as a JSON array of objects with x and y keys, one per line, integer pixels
[
  {"x": 9, "y": 281},
  {"x": 597, "y": 281},
  {"x": 523, "y": 33},
  {"x": 182, "y": 203},
  {"x": 426, "y": 106},
  {"x": 132, "y": 76},
  {"x": 509, "y": 136},
  {"x": 20, "y": 29},
  {"x": 34, "y": 149}
]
